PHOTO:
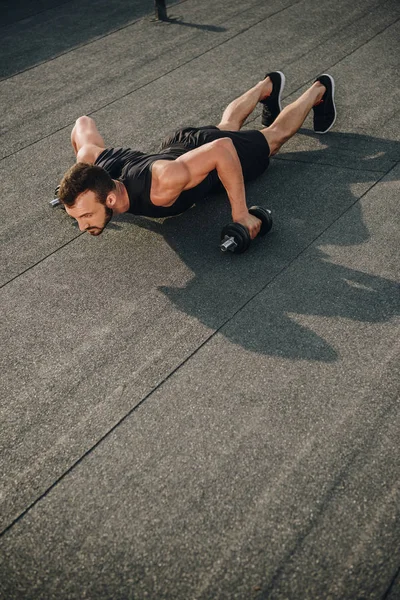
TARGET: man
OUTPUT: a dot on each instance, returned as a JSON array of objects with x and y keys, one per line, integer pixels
[{"x": 107, "y": 181}]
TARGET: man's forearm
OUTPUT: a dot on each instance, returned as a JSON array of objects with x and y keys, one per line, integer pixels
[{"x": 230, "y": 174}]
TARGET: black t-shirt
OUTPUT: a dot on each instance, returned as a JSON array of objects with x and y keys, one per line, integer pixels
[{"x": 133, "y": 169}]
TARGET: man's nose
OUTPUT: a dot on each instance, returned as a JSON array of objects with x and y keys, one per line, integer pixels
[{"x": 82, "y": 227}]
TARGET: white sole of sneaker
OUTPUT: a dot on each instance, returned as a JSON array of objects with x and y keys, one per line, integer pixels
[
  {"x": 281, "y": 90},
  {"x": 333, "y": 101}
]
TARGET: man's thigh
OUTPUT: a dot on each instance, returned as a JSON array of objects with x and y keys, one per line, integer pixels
[{"x": 252, "y": 148}]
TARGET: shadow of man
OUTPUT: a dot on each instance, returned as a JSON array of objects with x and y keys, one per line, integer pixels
[{"x": 288, "y": 275}]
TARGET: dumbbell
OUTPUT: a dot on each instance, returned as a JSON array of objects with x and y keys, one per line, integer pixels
[
  {"x": 56, "y": 200},
  {"x": 236, "y": 238}
]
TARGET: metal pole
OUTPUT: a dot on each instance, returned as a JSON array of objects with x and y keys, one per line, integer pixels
[{"x": 161, "y": 10}]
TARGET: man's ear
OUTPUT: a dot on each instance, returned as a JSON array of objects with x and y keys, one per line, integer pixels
[{"x": 111, "y": 200}]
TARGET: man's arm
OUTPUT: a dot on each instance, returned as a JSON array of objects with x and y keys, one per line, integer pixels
[
  {"x": 170, "y": 178},
  {"x": 86, "y": 140}
]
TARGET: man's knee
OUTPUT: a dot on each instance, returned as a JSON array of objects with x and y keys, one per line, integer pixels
[{"x": 229, "y": 125}]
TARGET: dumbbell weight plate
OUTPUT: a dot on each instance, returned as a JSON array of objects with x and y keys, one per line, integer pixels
[
  {"x": 240, "y": 236},
  {"x": 56, "y": 201},
  {"x": 265, "y": 217}
]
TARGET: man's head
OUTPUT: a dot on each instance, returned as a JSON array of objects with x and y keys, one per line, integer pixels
[{"x": 88, "y": 194}]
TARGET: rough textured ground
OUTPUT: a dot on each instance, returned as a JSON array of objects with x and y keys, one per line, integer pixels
[{"x": 177, "y": 423}]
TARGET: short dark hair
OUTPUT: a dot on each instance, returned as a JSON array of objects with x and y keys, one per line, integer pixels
[{"x": 82, "y": 178}]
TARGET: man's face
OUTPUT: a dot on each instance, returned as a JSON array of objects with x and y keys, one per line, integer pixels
[{"x": 92, "y": 215}]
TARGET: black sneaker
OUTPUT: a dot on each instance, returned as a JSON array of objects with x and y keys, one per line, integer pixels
[
  {"x": 325, "y": 111},
  {"x": 272, "y": 105}
]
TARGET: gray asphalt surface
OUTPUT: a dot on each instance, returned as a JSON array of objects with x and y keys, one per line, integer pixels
[{"x": 178, "y": 423}]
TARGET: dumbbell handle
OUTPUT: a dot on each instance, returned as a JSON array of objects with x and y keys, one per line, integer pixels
[
  {"x": 55, "y": 202},
  {"x": 228, "y": 243}
]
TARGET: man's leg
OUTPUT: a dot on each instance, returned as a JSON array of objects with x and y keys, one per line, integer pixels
[
  {"x": 292, "y": 117},
  {"x": 237, "y": 111}
]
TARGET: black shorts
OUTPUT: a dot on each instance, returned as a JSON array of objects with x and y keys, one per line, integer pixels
[{"x": 250, "y": 144}]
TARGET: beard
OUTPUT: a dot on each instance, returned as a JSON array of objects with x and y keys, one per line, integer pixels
[{"x": 107, "y": 218}]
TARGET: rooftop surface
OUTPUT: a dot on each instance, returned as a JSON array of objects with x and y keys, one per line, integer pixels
[{"x": 178, "y": 423}]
